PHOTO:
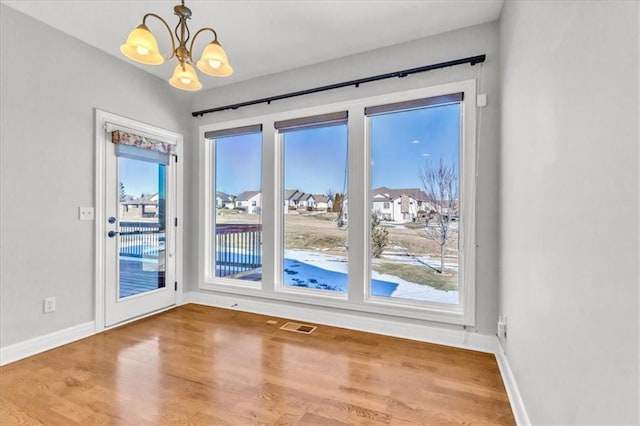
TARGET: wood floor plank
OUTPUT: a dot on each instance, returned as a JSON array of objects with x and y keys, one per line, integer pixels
[
  {"x": 201, "y": 365},
  {"x": 12, "y": 415}
]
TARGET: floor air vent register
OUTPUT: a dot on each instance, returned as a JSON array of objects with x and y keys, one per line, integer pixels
[{"x": 298, "y": 328}]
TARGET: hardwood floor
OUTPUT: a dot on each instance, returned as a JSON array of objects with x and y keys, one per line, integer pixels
[{"x": 202, "y": 365}]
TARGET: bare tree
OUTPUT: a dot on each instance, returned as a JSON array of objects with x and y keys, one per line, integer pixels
[
  {"x": 440, "y": 183},
  {"x": 330, "y": 193}
]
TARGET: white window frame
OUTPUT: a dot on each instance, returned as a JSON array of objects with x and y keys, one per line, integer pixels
[
  {"x": 279, "y": 286},
  {"x": 356, "y": 298},
  {"x": 209, "y": 211}
]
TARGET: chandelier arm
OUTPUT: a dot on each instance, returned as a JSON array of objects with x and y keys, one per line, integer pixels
[
  {"x": 173, "y": 41},
  {"x": 215, "y": 38}
]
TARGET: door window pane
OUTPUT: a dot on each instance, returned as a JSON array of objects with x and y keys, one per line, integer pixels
[
  {"x": 142, "y": 223},
  {"x": 314, "y": 211},
  {"x": 415, "y": 206},
  {"x": 238, "y": 207}
]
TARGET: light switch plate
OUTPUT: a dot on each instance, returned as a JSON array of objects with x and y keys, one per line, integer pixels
[{"x": 86, "y": 213}]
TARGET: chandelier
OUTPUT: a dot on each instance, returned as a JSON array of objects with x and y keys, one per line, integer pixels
[{"x": 141, "y": 46}]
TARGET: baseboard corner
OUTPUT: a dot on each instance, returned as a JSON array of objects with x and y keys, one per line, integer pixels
[{"x": 513, "y": 392}]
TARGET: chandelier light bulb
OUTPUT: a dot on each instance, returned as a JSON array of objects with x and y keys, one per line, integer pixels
[
  {"x": 214, "y": 61},
  {"x": 141, "y": 46},
  {"x": 185, "y": 78}
]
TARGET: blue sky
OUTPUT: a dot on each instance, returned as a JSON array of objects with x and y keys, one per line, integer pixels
[
  {"x": 314, "y": 159},
  {"x": 138, "y": 177},
  {"x": 402, "y": 142},
  {"x": 239, "y": 163}
]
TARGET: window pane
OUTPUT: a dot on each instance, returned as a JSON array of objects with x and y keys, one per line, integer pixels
[
  {"x": 238, "y": 207},
  {"x": 315, "y": 187},
  {"x": 141, "y": 219},
  {"x": 415, "y": 204}
]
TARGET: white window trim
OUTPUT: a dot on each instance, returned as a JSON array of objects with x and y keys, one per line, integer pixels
[{"x": 359, "y": 206}]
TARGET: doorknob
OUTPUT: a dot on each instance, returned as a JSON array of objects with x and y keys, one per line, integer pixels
[
  {"x": 111, "y": 220},
  {"x": 112, "y": 234}
]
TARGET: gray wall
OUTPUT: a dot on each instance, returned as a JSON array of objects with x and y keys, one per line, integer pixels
[
  {"x": 569, "y": 208},
  {"x": 51, "y": 84},
  {"x": 467, "y": 42}
]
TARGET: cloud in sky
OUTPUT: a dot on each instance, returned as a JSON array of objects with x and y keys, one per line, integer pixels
[
  {"x": 425, "y": 154},
  {"x": 415, "y": 141}
]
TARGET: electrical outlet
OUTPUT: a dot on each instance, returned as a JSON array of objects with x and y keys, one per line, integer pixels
[
  {"x": 86, "y": 213},
  {"x": 49, "y": 305}
]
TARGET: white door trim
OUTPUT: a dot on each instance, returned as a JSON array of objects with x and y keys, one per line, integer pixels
[{"x": 101, "y": 120}]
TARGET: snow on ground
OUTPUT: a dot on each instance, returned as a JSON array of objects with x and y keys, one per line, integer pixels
[
  {"x": 405, "y": 289},
  {"x": 320, "y": 260}
]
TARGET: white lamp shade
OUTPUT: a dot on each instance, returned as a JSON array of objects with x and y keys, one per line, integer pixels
[
  {"x": 214, "y": 61},
  {"x": 141, "y": 46},
  {"x": 185, "y": 78}
]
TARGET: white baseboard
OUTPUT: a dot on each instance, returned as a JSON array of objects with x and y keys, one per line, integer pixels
[
  {"x": 17, "y": 351},
  {"x": 395, "y": 327},
  {"x": 517, "y": 405}
]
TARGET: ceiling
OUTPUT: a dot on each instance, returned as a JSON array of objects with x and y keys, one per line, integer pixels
[{"x": 263, "y": 37}]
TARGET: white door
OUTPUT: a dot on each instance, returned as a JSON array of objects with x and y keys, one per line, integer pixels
[{"x": 139, "y": 231}]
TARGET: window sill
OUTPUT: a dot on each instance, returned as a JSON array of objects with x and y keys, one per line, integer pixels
[{"x": 447, "y": 314}]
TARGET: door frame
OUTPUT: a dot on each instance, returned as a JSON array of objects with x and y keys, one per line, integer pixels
[{"x": 102, "y": 120}]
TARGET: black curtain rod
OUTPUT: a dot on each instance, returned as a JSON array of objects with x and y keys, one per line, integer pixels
[{"x": 473, "y": 60}]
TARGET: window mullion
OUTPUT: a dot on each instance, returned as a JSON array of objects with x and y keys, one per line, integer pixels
[
  {"x": 357, "y": 206},
  {"x": 271, "y": 229}
]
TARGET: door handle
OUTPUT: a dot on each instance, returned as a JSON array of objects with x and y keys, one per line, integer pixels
[{"x": 112, "y": 234}]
